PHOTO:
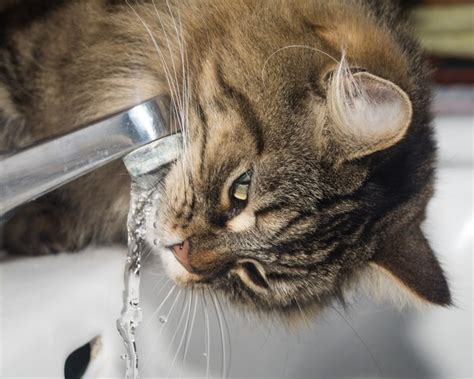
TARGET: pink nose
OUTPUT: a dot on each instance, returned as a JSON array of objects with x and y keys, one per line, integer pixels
[{"x": 181, "y": 251}]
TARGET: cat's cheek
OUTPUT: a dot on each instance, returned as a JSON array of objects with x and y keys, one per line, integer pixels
[
  {"x": 174, "y": 269},
  {"x": 245, "y": 221}
]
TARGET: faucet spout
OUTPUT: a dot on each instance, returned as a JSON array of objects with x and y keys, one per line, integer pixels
[{"x": 36, "y": 170}]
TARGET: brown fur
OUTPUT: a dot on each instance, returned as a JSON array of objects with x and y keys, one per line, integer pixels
[{"x": 259, "y": 77}]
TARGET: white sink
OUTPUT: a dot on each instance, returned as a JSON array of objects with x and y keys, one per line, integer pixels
[{"x": 50, "y": 306}]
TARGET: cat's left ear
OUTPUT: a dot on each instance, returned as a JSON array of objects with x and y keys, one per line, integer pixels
[
  {"x": 408, "y": 260},
  {"x": 366, "y": 113}
]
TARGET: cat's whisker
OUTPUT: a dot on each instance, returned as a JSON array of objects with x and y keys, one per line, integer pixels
[
  {"x": 146, "y": 252},
  {"x": 364, "y": 344},
  {"x": 303, "y": 315},
  {"x": 222, "y": 333},
  {"x": 185, "y": 332},
  {"x": 226, "y": 330},
  {"x": 180, "y": 99},
  {"x": 162, "y": 280},
  {"x": 154, "y": 273},
  {"x": 181, "y": 315},
  {"x": 169, "y": 79},
  {"x": 167, "y": 317},
  {"x": 167, "y": 39},
  {"x": 190, "y": 333},
  {"x": 293, "y": 47},
  {"x": 184, "y": 112},
  {"x": 182, "y": 50},
  {"x": 208, "y": 334},
  {"x": 157, "y": 310},
  {"x": 177, "y": 106}
]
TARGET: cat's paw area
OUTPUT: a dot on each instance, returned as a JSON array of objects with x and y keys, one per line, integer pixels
[{"x": 35, "y": 230}]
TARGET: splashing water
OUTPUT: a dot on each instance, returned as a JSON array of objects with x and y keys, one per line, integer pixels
[
  {"x": 131, "y": 312},
  {"x": 147, "y": 167},
  {"x": 163, "y": 319}
]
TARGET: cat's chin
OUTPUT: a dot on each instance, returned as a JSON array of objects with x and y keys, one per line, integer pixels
[{"x": 175, "y": 270}]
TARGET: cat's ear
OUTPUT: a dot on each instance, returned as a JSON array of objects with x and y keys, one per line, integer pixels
[
  {"x": 409, "y": 261},
  {"x": 366, "y": 113}
]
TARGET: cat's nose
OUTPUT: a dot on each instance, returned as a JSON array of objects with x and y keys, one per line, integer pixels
[{"x": 182, "y": 251}]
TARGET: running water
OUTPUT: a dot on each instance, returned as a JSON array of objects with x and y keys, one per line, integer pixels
[
  {"x": 147, "y": 167},
  {"x": 131, "y": 315}
]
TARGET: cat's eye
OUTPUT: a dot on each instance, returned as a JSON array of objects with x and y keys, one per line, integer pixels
[{"x": 240, "y": 189}]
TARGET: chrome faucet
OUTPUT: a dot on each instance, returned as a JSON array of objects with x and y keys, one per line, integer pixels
[{"x": 140, "y": 135}]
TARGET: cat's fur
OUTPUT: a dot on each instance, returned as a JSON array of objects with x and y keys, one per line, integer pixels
[{"x": 325, "y": 102}]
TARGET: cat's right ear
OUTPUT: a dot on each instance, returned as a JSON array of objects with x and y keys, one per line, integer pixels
[
  {"x": 408, "y": 262},
  {"x": 366, "y": 113}
]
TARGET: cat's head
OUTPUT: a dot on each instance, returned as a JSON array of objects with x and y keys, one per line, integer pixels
[{"x": 301, "y": 168}]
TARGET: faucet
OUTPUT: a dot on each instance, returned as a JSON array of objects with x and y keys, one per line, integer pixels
[{"x": 139, "y": 135}]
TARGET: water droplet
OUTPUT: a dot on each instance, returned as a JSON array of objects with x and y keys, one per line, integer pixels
[
  {"x": 123, "y": 357},
  {"x": 155, "y": 242},
  {"x": 155, "y": 224},
  {"x": 162, "y": 319},
  {"x": 204, "y": 354}
]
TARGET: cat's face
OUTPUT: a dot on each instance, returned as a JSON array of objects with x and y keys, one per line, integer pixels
[
  {"x": 290, "y": 180},
  {"x": 254, "y": 209}
]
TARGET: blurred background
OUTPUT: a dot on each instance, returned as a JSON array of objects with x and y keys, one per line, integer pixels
[{"x": 445, "y": 28}]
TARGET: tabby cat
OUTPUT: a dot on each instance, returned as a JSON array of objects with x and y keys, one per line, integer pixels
[{"x": 308, "y": 155}]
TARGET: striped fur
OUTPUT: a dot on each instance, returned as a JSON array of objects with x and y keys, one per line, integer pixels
[{"x": 251, "y": 85}]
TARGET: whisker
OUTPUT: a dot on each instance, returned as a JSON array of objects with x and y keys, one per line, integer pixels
[
  {"x": 170, "y": 312},
  {"x": 190, "y": 301},
  {"x": 163, "y": 280},
  {"x": 142, "y": 329},
  {"x": 208, "y": 335},
  {"x": 186, "y": 86},
  {"x": 169, "y": 48},
  {"x": 171, "y": 85},
  {"x": 366, "y": 347},
  {"x": 293, "y": 47},
  {"x": 221, "y": 329},
  {"x": 177, "y": 108},
  {"x": 154, "y": 273},
  {"x": 184, "y": 104},
  {"x": 303, "y": 315},
  {"x": 228, "y": 335},
  {"x": 186, "y": 346},
  {"x": 146, "y": 252},
  {"x": 180, "y": 317}
]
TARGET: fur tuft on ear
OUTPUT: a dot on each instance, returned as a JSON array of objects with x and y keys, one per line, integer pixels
[
  {"x": 409, "y": 260},
  {"x": 368, "y": 113}
]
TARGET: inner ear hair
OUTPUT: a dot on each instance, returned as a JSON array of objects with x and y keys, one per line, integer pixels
[
  {"x": 366, "y": 113},
  {"x": 253, "y": 275}
]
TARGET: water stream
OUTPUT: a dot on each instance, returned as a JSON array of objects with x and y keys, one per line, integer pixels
[
  {"x": 147, "y": 167},
  {"x": 131, "y": 315}
]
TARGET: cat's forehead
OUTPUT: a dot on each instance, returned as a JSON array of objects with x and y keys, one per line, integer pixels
[
  {"x": 262, "y": 74},
  {"x": 243, "y": 106}
]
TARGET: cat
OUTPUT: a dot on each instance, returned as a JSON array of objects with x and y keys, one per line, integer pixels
[{"x": 308, "y": 157}]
